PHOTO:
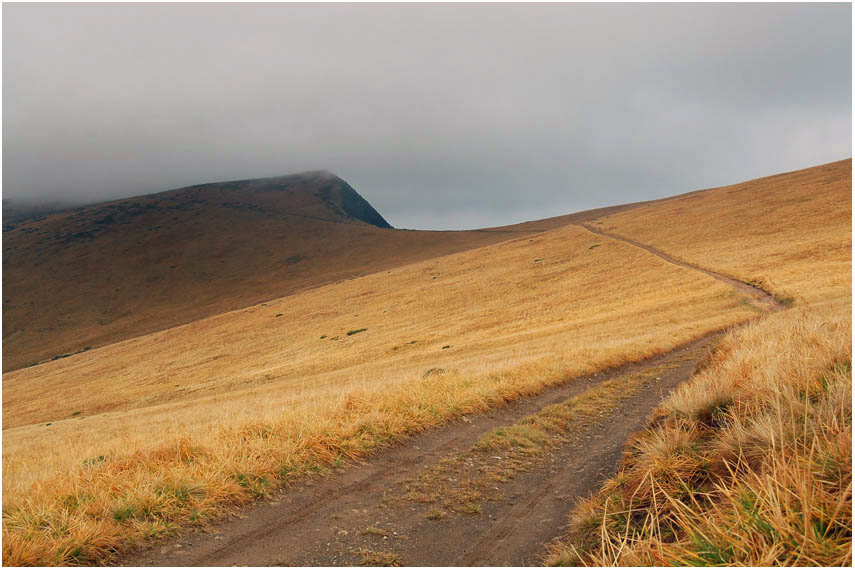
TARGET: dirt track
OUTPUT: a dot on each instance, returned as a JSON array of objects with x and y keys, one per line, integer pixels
[
  {"x": 762, "y": 299},
  {"x": 358, "y": 512}
]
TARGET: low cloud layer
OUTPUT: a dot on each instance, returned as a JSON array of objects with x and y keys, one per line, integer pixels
[{"x": 442, "y": 116}]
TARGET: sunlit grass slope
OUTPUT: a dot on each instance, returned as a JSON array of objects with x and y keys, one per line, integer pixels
[
  {"x": 104, "y": 273},
  {"x": 750, "y": 463},
  {"x": 790, "y": 233},
  {"x": 127, "y": 441}
]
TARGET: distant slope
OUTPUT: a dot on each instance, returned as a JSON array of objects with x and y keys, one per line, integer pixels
[
  {"x": 790, "y": 233},
  {"x": 108, "y": 272},
  {"x": 17, "y": 211}
]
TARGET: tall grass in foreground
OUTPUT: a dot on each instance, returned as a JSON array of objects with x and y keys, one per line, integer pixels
[
  {"x": 749, "y": 463},
  {"x": 112, "y": 501}
]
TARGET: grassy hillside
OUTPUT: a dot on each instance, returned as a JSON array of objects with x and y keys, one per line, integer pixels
[
  {"x": 261, "y": 394},
  {"x": 750, "y": 462},
  {"x": 135, "y": 439},
  {"x": 790, "y": 233},
  {"x": 108, "y": 272},
  {"x": 17, "y": 211}
]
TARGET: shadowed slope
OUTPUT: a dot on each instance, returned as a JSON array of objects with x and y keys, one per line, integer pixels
[
  {"x": 17, "y": 211},
  {"x": 108, "y": 272}
]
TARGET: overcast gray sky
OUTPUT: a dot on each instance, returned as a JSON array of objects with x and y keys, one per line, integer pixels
[{"x": 442, "y": 116}]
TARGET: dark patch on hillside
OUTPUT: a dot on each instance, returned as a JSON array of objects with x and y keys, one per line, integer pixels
[
  {"x": 339, "y": 196},
  {"x": 17, "y": 211}
]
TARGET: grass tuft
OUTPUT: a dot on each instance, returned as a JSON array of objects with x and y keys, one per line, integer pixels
[
  {"x": 436, "y": 514},
  {"x": 749, "y": 463},
  {"x": 375, "y": 558},
  {"x": 375, "y": 531}
]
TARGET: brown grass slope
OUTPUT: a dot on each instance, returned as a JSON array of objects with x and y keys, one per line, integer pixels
[
  {"x": 108, "y": 272},
  {"x": 750, "y": 462},
  {"x": 791, "y": 233},
  {"x": 133, "y": 440},
  {"x": 17, "y": 211}
]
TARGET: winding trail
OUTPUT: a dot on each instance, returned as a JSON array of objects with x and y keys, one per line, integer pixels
[
  {"x": 766, "y": 301},
  {"x": 354, "y": 513}
]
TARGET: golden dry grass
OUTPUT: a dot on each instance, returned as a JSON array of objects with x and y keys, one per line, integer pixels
[
  {"x": 117, "y": 270},
  {"x": 519, "y": 301},
  {"x": 749, "y": 463},
  {"x": 790, "y": 233},
  {"x": 170, "y": 429},
  {"x": 178, "y": 425},
  {"x": 378, "y": 558}
]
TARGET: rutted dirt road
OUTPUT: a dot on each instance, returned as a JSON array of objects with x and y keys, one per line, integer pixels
[
  {"x": 497, "y": 512},
  {"x": 325, "y": 522}
]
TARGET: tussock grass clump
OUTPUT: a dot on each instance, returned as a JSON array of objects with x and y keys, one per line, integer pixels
[
  {"x": 436, "y": 514},
  {"x": 375, "y": 531},
  {"x": 749, "y": 463},
  {"x": 375, "y": 558}
]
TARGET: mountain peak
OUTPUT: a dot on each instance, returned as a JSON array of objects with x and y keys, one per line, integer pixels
[
  {"x": 340, "y": 197},
  {"x": 316, "y": 193}
]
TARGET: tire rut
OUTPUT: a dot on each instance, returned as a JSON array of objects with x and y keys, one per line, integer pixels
[
  {"x": 514, "y": 528},
  {"x": 297, "y": 522}
]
